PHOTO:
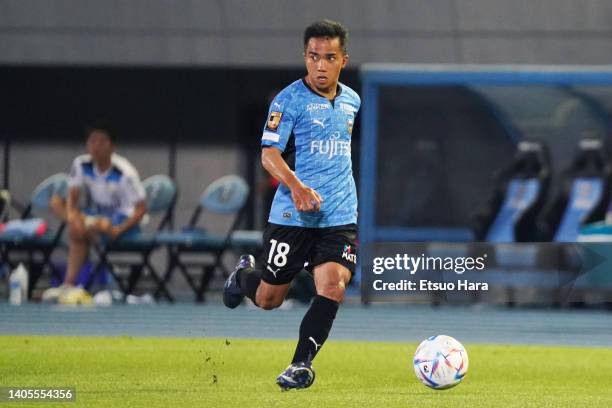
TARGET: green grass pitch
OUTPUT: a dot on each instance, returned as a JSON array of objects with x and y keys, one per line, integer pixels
[{"x": 204, "y": 372}]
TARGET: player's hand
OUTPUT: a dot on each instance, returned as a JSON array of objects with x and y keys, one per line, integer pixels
[
  {"x": 305, "y": 198},
  {"x": 103, "y": 225},
  {"x": 113, "y": 233}
]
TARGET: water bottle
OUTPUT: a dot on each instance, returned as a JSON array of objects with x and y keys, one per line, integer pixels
[
  {"x": 14, "y": 290},
  {"x": 18, "y": 285}
]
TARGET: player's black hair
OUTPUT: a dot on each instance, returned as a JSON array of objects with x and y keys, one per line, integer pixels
[
  {"x": 327, "y": 28},
  {"x": 102, "y": 127}
]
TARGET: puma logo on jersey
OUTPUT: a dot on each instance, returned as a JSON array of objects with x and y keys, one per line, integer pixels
[{"x": 319, "y": 122}]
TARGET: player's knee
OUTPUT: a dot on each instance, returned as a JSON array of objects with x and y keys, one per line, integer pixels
[
  {"x": 333, "y": 290},
  {"x": 76, "y": 233},
  {"x": 268, "y": 302}
]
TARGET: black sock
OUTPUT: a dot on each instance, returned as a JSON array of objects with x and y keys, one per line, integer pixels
[
  {"x": 315, "y": 327},
  {"x": 249, "y": 279}
]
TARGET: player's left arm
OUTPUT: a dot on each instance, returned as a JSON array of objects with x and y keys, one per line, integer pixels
[
  {"x": 140, "y": 209},
  {"x": 133, "y": 192}
]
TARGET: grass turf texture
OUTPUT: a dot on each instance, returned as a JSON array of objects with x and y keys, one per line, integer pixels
[{"x": 161, "y": 372}]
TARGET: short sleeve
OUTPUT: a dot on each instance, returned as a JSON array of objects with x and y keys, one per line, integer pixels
[
  {"x": 280, "y": 122},
  {"x": 76, "y": 174},
  {"x": 133, "y": 189}
]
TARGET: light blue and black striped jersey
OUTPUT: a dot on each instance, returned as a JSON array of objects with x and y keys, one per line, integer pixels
[{"x": 314, "y": 135}]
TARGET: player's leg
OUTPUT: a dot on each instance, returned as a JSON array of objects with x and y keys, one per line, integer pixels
[
  {"x": 285, "y": 250},
  {"x": 334, "y": 260},
  {"x": 269, "y": 296},
  {"x": 81, "y": 233},
  {"x": 331, "y": 279},
  {"x": 246, "y": 281},
  {"x": 79, "y": 238}
]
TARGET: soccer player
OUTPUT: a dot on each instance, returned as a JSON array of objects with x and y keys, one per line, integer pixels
[
  {"x": 117, "y": 204},
  {"x": 306, "y": 145}
]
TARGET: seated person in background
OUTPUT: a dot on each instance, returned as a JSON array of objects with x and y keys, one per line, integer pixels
[
  {"x": 117, "y": 201},
  {"x": 57, "y": 204},
  {"x": 5, "y": 202}
]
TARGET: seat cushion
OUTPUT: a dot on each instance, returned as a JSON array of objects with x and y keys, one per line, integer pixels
[
  {"x": 20, "y": 239},
  {"x": 190, "y": 239},
  {"x": 246, "y": 238},
  {"x": 135, "y": 242}
]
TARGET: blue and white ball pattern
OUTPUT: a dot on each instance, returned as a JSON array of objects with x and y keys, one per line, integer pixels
[{"x": 440, "y": 362}]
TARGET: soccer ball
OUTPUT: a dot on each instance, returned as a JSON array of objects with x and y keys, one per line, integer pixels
[{"x": 440, "y": 362}]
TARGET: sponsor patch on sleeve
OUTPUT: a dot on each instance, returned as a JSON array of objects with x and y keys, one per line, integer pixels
[
  {"x": 272, "y": 137},
  {"x": 274, "y": 120}
]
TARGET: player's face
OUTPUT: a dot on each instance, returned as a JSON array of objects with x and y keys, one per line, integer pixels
[
  {"x": 99, "y": 146},
  {"x": 324, "y": 60}
]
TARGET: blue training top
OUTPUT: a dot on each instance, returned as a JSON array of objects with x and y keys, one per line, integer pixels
[{"x": 314, "y": 136}]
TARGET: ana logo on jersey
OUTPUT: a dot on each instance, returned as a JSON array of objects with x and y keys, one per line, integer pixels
[
  {"x": 331, "y": 147},
  {"x": 348, "y": 254}
]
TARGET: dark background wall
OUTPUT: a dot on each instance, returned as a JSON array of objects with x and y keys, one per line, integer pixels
[
  {"x": 192, "y": 123},
  {"x": 202, "y": 105}
]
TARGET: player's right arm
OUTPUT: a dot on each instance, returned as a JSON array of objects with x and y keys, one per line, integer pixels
[
  {"x": 277, "y": 131},
  {"x": 75, "y": 183},
  {"x": 304, "y": 198},
  {"x": 73, "y": 210}
]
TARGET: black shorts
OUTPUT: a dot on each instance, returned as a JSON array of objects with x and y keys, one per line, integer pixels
[{"x": 287, "y": 249}]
